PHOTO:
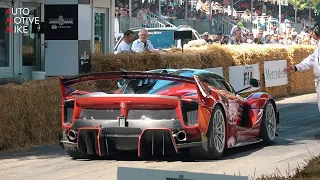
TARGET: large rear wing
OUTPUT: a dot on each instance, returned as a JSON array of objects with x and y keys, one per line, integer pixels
[{"x": 66, "y": 82}]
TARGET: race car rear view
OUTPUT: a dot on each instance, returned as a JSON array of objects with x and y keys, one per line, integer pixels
[{"x": 162, "y": 112}]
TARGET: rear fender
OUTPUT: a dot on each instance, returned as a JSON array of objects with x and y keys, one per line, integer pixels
[
  {"x": 258, "y": 100},
  {"x": 208, "y": 98}
]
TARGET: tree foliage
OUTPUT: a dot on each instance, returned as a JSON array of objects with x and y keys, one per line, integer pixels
[
  {"x": 299, "y": 4},
  {"x": 303, "y": 4}
]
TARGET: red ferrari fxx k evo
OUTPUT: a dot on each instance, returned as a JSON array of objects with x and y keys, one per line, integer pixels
[{"x": 162, "y": 112}]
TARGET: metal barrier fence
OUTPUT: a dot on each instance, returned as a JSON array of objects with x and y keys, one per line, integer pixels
[
  {"x": 213, "y": 27},
  {"x": 126, "y": 23}
]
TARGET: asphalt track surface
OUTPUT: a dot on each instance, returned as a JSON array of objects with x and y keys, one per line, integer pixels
[{"x": 299, "y": 121}]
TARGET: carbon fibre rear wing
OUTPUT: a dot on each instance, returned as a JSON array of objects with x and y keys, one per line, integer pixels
[{"x": 66, "y": 89}]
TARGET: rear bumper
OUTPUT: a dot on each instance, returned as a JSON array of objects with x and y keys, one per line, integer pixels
[{"x": 105, "y": 141}]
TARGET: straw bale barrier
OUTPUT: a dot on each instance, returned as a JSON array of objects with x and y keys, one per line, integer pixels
[{"x": 31, "y": 114}]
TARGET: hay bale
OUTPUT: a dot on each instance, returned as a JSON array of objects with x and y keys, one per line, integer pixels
[
  {"x": 300, "y": 82},
  {"x": 16, "y": 80},
  {"x": 181, "y": 60},
  {"x": 31, "y": 113},
  {"x": 217, "y": 56},
  {"x": 14, "y": 125},
  {"x": 130, "y": 62}
]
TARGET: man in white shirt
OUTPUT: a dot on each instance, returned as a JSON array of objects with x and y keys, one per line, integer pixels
[
  {"x": 312, "y": 61},
  {"x": 142, "y": 44},
  {"x": 124, "y": 46}
]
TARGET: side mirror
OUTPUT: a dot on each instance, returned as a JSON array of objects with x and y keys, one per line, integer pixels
[{"x": 254, "y": 82}]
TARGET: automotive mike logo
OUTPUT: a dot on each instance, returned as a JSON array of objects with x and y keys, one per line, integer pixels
[
  {"x": 20, "y": 23},
  {"x": 248, "y": 74}
]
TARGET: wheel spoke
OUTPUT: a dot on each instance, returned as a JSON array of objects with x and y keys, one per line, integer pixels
[
  {"x": 270, "y": 127},
  {"x": 218, "y": 130},
  {"x": 215, "y": 142},
  {"x": 219, "y": 137},
  {"x": 218, "y": 122},
  {"x": 267, "y": 113},
  {"x": 220, "y": 133},
  {"x": 219, "y": 143},
  {"x": 216, "y": 118},
  {"x": 273, "y": 131},
  {"x": 272, "y": 123}
]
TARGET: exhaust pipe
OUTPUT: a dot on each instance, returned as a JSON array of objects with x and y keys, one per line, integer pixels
[
  {"x": 72, "y": 135},
  {"x": 181, "y": 136}
]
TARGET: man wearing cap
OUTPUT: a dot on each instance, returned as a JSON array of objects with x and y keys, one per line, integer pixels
[
  {"x": 239, "y": 26},
  {"x": 312, "y": 60}
]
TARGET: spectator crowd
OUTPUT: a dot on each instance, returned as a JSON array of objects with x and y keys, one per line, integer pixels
[
  {"x": 200, "y": 10},
  {"x": 239, "y": 36}
]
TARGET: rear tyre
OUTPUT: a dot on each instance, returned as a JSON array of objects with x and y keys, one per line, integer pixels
[
  {"x": 268, "y": 124},
  {"x": 216, "y": 137},
  {"x": 76, "y": 154}
]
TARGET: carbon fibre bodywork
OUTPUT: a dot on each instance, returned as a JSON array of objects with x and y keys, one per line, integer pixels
[{"x": 156, "y": 118}]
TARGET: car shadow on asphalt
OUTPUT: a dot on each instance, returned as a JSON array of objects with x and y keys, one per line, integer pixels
[
  {"x": 55, "y": 151},
  {"x": 233, "y": 153}
]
